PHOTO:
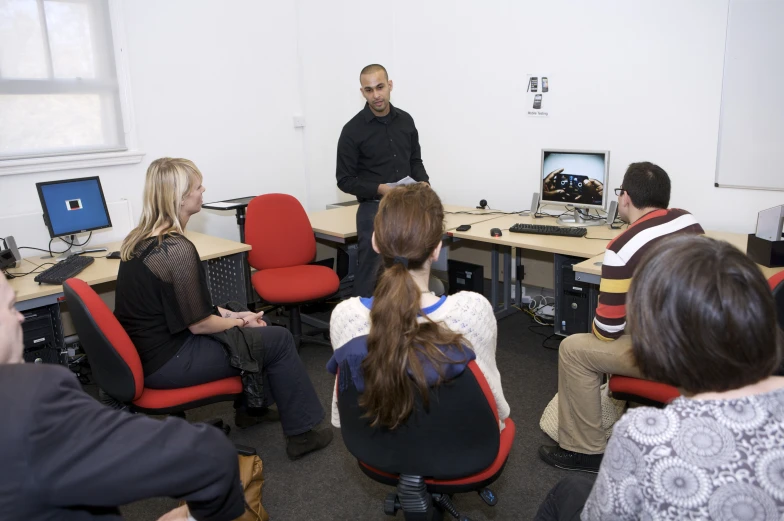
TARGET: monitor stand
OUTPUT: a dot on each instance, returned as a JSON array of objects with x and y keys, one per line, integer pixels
[
  {"x": 66, "y": 254},
  {"x": 576, "y": 219},
  {"x": 72, "y": 251}
]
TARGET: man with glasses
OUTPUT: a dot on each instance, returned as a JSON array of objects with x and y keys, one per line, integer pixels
[{"x": 584, "y": 359}]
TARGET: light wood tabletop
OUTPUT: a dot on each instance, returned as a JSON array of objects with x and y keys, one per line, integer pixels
[
  {"x": 341, "y": 223},
  {"x": 595, "y": 243},
  {"x": 105, "y": 270},
  {"x": 593, "y": 266}
]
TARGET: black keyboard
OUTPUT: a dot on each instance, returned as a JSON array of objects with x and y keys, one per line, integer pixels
[
  {"x": 64, "y": 270},
  {"x": 544, "y": 229}
]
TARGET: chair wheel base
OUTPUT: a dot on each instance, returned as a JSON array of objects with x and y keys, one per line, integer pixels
[
  {"x": 488, "y": 496},
  {"x": 391, "y": 505}
]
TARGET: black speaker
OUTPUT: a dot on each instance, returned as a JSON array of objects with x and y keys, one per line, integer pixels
[{"x": 464, "y": 276}]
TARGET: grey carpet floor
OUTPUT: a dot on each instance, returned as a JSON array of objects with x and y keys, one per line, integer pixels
[{"x": 328, "y": 485}]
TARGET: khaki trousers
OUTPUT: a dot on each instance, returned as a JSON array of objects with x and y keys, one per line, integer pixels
[{"x": 583, "y": 359}]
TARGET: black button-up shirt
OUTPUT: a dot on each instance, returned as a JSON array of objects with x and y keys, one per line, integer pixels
[{"x": 374, "y": 151}]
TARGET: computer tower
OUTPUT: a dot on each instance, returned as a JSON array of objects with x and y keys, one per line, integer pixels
[
  {"x": 346, "y": 267},
  {"x": 42, "y": 336},
  {"x": 575, "y": 301},
  {"x": 464, "y": 276}
]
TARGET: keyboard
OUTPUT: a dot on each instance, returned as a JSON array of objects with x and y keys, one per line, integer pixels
[
  {"x": 64, "y": 270},
  {"x": 544, "y": 229}
]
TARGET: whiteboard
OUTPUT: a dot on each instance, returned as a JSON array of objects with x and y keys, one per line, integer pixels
[{"x": 751, "y": 128}]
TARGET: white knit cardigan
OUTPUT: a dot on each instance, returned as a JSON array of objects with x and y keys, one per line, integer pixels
[{"x": 465, "y": 312}]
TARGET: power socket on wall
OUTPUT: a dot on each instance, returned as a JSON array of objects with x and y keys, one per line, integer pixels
[{"x": 525, "y": 299}]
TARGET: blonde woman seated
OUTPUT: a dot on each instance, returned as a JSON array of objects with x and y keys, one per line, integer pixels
[
  {"x": 164, "y": 304},
  {"x": 403, "y": 313}
]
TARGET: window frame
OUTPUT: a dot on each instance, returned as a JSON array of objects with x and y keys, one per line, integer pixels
[{"x": 77, "y": 160}]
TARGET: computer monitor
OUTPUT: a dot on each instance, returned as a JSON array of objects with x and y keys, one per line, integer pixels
[
  {"x": 575, "y": 178},
  {"x": 73, "y": 206}
]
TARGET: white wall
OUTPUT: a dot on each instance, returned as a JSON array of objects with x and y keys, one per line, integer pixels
[
  {"x": 218, "y": 82},
  {"x": 641, "y": 79},
  {"x": 215, "y": 82}
]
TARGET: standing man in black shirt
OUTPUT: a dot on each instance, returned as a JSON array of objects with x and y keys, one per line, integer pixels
[{"x": 379, "y": 145}]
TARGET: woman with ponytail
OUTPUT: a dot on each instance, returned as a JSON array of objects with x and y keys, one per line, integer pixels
[{"x": 414, "y": 338}]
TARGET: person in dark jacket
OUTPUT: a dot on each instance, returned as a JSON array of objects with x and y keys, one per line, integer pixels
[
  {"x": 163, "y": 303},
  {"x": 64, "y": 456}
]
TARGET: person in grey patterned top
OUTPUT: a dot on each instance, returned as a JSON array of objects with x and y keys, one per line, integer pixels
[{"x": 703, "y": 320}]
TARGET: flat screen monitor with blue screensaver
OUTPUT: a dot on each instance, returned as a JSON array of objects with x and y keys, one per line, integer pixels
[{"x": 73, "y": 206}]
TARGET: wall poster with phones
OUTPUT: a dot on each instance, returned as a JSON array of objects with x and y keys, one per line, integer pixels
[{"x": 537, "y": 95}]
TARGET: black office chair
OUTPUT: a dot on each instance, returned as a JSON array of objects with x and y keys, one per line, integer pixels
[{"x": 454, "y": 447}]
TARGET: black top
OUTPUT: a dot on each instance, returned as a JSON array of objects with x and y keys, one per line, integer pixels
[
  {"x": 160, "y": 292},
  {"x": 375, "y": 150},
  {"x": 66, "y": 457}
]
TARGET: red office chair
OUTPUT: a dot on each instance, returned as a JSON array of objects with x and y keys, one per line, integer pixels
[
  {"x": 116, "y": 365},
  {"x": 646, "y": 392},
  {"x": 283, "y": 242},
  {"x": 658, "y": 394},
  {"x": 454, "y": 447}
]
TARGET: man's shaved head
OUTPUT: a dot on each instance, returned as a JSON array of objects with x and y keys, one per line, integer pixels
[{"x": 373, "y": 67}]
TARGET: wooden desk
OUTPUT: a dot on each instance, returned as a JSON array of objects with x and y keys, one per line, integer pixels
[
  {"x": 597, "y": 239},
  {"x": 590, "y": 271},
  {"x": 29, "y": 293},
  {"x": 339, "y": 224},
  {"x": 574, "y": 246}
]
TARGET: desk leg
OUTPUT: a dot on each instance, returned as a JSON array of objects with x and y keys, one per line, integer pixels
[
  {"x": 507, "y": 278},
  {"x": 506, "y": 308},
  {"x": 494, "y": 278},
  {"x": 249, "y": 291},
  {"x": 520, "y": 271}
]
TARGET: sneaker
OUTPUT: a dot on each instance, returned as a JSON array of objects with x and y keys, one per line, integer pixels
[
  {"x": 244, "y": 418},
  {"x": 301, "y": 444},
  {"x": 568, "y": 460}
]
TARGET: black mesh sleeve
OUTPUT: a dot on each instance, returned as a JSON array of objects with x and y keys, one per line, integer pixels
[{"x": 186, "y": 295}]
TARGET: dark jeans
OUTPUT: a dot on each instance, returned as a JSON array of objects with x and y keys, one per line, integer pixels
[
  {"x": 202, "y": 359},
  {"x": 566, "y": 500},
  {"x": 367, "y": 260}
]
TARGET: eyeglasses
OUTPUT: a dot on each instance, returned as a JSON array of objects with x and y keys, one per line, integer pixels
[{"x": 619, "y": 191}]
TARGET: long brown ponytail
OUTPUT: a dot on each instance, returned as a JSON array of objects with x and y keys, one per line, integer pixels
[{"x": 408, "y": 227}]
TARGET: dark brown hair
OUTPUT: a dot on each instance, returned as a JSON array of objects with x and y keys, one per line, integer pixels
[
  {"x": 648, "y": 185},
  {"x": 409, "y": 225},
  {"x": 701, "y": 316}
]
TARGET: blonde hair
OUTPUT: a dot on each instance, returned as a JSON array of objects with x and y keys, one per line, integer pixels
[{"x": 168, "y": 181}]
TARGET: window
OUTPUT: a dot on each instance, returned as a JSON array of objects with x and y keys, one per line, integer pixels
[{"x": 61, "y": 103}]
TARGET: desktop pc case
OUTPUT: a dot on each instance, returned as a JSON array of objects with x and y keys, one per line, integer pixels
[
  {"x": 464, "y": 276},
  {"x": 346, "y": 267},
  {"x": 43, "y": 336},
  {"x": 575, "y": 301}
]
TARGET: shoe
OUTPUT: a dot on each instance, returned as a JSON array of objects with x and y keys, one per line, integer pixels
[
  {"x": 568, "y": 460},
  {"x": 244, "y": 418},
  {"x": 301, "y": 444}
]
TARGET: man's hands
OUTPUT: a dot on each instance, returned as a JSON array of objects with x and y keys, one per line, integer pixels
[
  {"x": 384, "y": 189},
  {"x": 592, "y": 189},
  {"x": 549, "y": 184},
  {"x": 178, "y": 514}
]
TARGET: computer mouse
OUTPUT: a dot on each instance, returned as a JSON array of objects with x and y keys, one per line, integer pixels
[
  {"x": 114, "y": 255},
  {"x": 495, "y": 232}
]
